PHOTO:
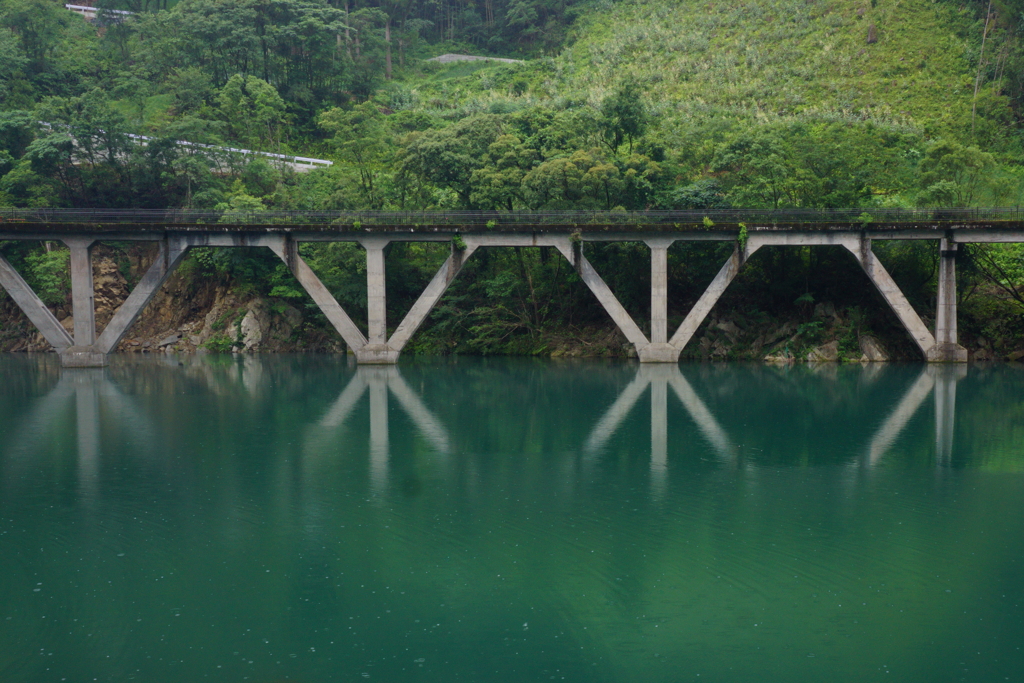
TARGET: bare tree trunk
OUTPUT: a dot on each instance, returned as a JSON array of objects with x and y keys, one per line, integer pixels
[
  {"x": 387, "y": 48},
  {"x": 348, "y": 37},
  {"x": 981, "y": 61}
]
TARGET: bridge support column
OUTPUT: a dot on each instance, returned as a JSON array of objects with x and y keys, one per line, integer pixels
[
  {"x": 84, "y": 353},
  {"x": 946, "y": 348},
  {"x": 376, "y": 350},
  {"x": 659, "y": 350},
  {"x": 659, "y": 292}
]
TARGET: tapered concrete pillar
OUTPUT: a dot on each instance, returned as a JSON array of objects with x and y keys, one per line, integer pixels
[
  {"x": 709, "y": 298},
  {"x": 890, "y": 291},
  {"x": 376, "y": 295},
  {"x": 376, "y": 349},
  {"x": 659, "y": 350},
  {"x": 171, "y": 251},
  {"x": 659, "y": 293},
  {"x": 288, "y": 251},
  {"x": 84, "y": 353},
  {"x": 946, "y": 348}
]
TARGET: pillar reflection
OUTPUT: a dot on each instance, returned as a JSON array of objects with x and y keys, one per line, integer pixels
[
  {"x": 946, "y": 377},
  {"x": 381, "y": 382},
  {"x": 95, "y": 397},
  {"x": 936, "y": 379},
  {"x": 659, "y": 378}
]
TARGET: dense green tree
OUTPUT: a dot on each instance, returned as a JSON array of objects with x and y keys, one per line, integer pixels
[
  {"x": 499, "y": 184},
  {"x": 361, "y": 140},
  {"x": 952, "y": 174},
  {"x": 447, "y": 157},
  {"x": 39, "y": 26},
  {"x": 13, "y": 61},
  {"x": 253, "y": 110},
  {"x": 756, "y": 166},
  {"x": 624, "y": 115}
]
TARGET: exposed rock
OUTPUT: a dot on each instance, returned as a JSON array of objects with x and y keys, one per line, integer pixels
[
  {"x": 111, "y": 287},
  {"x": 1016, "y": 355},
  {"x": 785, "y": 330},
  {"x": 255, "y": 326},
  {"x": 982, "y": 354},
  {"x": 826, "y": 309},
  {"x": 781, "y": 357},
  {"x": 824, "y": 353},
  {"x": 220, "y": 320},
  {"x": 872, "y": 350},
  {"x": 758, "y": 344},
  {"x": 730, "y": 329},
  {"x": 172, "y": 339}
]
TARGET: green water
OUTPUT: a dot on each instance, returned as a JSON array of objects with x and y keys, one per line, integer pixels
[{"x": 283, "y": 518}]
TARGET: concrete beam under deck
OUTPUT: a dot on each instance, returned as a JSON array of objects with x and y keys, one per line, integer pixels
[{"x": 979, "y": 231}]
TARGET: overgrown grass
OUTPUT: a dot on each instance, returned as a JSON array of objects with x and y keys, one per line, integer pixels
[{"x": 713, "y": 64}]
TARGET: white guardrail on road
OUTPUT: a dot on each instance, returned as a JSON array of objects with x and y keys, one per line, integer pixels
[
  {"x": 296, "y": 162},
  {"x": 91, "y": 12}
]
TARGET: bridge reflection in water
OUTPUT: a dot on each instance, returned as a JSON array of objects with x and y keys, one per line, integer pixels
[
  {"x": 95, "y": 397},
  {"x": 103, "y": 408},
  {"x": 659, "y": 378},
  {"x": 380, "y": 382},
  {"x": 937, "y": 380}
]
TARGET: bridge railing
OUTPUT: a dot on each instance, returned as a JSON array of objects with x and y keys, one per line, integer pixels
[{"x": 686, "y": 220}]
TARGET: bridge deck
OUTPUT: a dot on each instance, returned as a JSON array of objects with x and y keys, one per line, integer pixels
[
  {"x": 959, "y": 230},
  {"x": 438, "y": 225}
]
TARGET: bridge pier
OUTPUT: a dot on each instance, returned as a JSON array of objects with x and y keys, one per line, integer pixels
[
  {"x": 946, "y": 349},
  {"x": 84, "y": 353}
]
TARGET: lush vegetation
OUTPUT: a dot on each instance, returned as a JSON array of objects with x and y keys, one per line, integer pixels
[{"x": 635, "y": 104}]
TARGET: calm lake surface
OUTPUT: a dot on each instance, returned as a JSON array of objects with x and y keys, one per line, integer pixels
[{"x": 299, "y": 519}]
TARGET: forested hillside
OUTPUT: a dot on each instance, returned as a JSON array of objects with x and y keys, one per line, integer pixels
[{"x": 633, "y": 105}]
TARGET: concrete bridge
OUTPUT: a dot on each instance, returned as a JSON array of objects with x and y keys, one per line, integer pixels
[{"x": 569, "y": 232}]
